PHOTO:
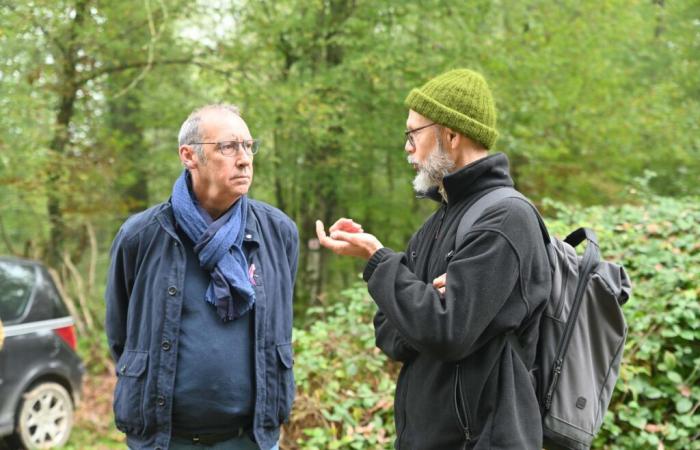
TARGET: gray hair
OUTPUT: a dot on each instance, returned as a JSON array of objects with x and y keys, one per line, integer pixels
[
  {"x": 189, "y": 131},
  {"x": 435, "y": 167}
]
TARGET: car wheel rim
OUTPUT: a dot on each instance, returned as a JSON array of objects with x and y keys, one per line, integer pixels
[{"x": 46, "y": 417}]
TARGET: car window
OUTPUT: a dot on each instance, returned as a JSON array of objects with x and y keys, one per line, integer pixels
[
  {"x": 47, "y": 303},
  {"x": 16, "y": 283}
]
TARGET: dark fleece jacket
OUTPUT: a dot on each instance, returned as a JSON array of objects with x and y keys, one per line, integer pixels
[{"x": 461, "y": 385}]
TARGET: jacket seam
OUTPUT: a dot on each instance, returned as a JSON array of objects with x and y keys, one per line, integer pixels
[{"x": 523, "y": 295}]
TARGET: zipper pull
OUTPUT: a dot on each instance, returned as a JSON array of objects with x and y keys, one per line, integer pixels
[{"x": 553, "y": 384}]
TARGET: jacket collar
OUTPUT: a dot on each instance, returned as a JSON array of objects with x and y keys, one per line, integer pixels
[{"x": 482, "y": 174}]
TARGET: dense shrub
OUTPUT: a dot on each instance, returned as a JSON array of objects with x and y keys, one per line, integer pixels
[
  {"x": 346, "y": 385},
  {"x": 657, "y": 397}
]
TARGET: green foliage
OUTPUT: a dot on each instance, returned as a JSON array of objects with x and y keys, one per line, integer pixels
[
  {"x": 345, "y": 384},
  {"x": 590, "y": 95},
  {"x": 102, "y": 88},
  {"x": 658, "y": 395}
]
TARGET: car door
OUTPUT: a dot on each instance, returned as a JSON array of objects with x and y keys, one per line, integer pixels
[{"x": 17, "y": 285}]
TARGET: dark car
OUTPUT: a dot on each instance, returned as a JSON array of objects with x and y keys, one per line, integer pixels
[{"x": 40, "y": 373}]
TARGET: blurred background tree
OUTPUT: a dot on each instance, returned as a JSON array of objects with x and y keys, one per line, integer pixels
[
  {"x": 598, "y": 102},
  {"x": 590, "y": 96}
]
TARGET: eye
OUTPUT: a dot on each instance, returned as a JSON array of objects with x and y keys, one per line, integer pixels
[{"x": 229, "y": 147}]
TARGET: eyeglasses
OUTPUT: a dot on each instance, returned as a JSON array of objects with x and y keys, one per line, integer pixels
[
  {"x": 409, "y": 133},
  {"x": 232, "y": 148}
]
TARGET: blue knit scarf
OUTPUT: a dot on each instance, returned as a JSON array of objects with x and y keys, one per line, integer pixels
[{"x": 218, "y": 245}]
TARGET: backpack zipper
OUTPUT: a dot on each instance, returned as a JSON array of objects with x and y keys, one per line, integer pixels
[
  {"x": 553, "y": 384},
  {"x": 568, "y": 333}
]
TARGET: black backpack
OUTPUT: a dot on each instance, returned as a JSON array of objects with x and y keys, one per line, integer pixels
[{"x": 582, "y": 332}]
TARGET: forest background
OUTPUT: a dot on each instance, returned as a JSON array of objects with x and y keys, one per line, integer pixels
[{"x": 598, "y": 111}]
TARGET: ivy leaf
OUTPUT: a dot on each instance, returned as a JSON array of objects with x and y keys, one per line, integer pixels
[
  {"x": 638, "y": 422},
  {"x": 669, "y": 360},
  {"x": 683, "y": 405},
  {"x": 674, "y": 377}
]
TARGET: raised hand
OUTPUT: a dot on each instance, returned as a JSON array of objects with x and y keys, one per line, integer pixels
[{"x": 348, "y": 238}]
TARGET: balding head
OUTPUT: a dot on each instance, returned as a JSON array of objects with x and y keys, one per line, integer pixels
[{"x": 191, "y": 129}]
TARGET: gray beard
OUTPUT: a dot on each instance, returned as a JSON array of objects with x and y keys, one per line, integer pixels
[{"x": 432, "y": 170}]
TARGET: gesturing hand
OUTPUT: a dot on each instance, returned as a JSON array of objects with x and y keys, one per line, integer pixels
[{"x": 348, "y": 238}]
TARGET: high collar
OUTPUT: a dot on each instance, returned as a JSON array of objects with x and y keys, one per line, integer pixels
[{"x": 485, "y": 173}]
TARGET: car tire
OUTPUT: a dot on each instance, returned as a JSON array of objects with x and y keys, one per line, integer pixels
[{"x": 45, "y": 417}]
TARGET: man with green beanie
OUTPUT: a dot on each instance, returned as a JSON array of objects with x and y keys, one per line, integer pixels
[{"x": 446, "y": 308}]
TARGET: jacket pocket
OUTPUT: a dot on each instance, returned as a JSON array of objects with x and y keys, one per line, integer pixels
[
  {"x": 128, "y": 393},
  {"x": 461, "y": 407},
  {"x": 280, "y": 385}
]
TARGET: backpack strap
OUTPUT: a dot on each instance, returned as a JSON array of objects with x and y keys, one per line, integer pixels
[
  {"x": 477, "y": 209},
  {"x": 486, "y": 201}
]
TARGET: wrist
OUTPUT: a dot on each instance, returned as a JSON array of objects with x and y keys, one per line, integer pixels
[
  {"x": 374, "y": 261},
  {"x": 374, "y": 249}
]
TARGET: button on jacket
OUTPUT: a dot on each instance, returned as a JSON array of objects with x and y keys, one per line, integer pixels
[{"x": 144, "y": 304}]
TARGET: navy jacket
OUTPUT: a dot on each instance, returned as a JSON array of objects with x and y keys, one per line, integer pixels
[{"x": 144, "y": 302}]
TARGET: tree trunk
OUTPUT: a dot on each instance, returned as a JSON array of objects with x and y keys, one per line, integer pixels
[
  {"x": 128, "y": 139},
  {"x": 68, "y": 89}
]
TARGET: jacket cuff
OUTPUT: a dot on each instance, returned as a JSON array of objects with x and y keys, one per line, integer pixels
[{"x": 374, "y": 261}]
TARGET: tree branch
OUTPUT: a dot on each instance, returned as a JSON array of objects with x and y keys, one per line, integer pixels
[
  {"x": 141, "y": 64},
  {"x": 41, "y": 28},
  {"x": 128, "y": 66}
]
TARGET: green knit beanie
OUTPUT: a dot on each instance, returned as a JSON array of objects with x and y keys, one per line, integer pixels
[{"x": 461, "y": 100}]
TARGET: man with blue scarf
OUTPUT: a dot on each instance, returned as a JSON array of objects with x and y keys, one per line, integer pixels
[{"x": 199, "y": 302}]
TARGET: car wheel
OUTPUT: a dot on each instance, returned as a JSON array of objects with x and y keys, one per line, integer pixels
[{"x": 45, "y": 416}]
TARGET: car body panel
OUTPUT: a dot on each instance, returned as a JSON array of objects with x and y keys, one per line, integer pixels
[{"x": 33, "y": 351}]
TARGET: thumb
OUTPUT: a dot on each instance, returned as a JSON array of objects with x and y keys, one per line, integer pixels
[
  {"x": 342, "y": 236},
  {"x": 320, "y": 231}
]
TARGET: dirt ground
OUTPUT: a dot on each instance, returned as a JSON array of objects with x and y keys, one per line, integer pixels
[{"x": 95, "y": 411}]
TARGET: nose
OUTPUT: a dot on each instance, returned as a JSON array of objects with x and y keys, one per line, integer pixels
[
  {"x": 408, "y": 148},
  {"x": 244, "y": 159}
]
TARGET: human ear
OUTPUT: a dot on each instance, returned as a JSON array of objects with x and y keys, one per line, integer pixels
[
  {"x": 453, "y": 138},
  {"x": 188, "y": 157}
]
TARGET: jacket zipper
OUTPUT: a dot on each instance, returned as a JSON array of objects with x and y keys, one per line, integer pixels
[
  {"x": 442, "y": 219},
  {"x": 461, "y": 408},
  {"x": 403, "y": 376}
]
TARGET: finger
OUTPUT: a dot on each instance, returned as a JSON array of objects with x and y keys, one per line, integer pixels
[
  {"x": 340, "y": 223},
  {"x": 338, "y": 247},
  {"x": 321, "y": 234},
  {"x": 357, "y": 225},
  {"x": 440, "y": 281},
  {"x": 344, "y": 236},
  {"x": 441, "y": 291},
  {"x": 320, "y": 231},
  {"x": 348, "y": 225}
]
